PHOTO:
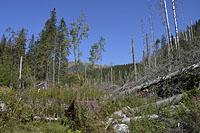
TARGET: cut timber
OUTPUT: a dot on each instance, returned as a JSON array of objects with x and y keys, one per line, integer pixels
[{"x": 129, "y": 89}]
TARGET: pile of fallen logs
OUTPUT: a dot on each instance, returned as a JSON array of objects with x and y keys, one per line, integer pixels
[
  {"x": 130, "y": 89},
  {"x": 123, "y": 118}
]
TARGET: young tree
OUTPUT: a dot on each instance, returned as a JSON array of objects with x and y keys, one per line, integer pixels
[
  {"x": 79, "y": 31},
  {"x": 94, "y": 54},
  {"x": 101, "y": 49},
  {"x": 96, "y": 51},
  {"x": 20, "y": 45}
]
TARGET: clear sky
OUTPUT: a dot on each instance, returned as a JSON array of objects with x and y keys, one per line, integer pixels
[{"x": 117, "y": 20}]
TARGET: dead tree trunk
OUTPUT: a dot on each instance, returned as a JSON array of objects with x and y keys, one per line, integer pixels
[
  {"x": 152, "y": 33},
  {"x": 111, "y": 75},
  {"x": 20, "y": 73},
  {"x": 175, "y": 24},
  {"x": 133, "y": 59},
  {"x": 129, "y": 89},
  {"x": 167, "y": 27},
  {"x": 54, "y": 62},
  {"x": 148, "y": 51},
  {"x": 59, "y": 65},
  {"x": 85, "y": 74},
  {"x": 191, "y": 29}
]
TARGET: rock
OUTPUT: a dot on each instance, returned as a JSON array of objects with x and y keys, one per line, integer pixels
[
  {"x": 109, "y": 121},
  {"x": 121, "y": 128},
  {"x": 120, "y": 114},
  {"x": 126, "y": 120}
]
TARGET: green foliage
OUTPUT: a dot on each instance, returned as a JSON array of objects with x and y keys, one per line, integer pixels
[
  {"x": 96, "y": 51},
  {"x": 79, "y": 31},
  {"x": 16, "y": 127},
  {"x": 23, "y": 105}
]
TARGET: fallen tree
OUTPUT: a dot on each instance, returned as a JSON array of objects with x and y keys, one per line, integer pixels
[
  {"x": 130, "y": 89},
  {"x": 122, "y": 114}
]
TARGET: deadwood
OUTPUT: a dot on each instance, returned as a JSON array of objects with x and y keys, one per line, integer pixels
[{"x": 130, "y": 89}]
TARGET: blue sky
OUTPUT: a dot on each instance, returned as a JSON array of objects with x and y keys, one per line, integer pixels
[{"x": 117, "y": 20}]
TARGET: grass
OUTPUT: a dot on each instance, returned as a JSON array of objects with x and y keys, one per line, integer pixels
[
  {"x": 33, "y": 127},
  {"x": 23, "y": 105}
]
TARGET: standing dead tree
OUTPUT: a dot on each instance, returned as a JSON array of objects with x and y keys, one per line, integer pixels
[
  {"x": 133, "y": 59},
  {"x": 175, "y": 24},
  {"x": 152, "y": 32},
  {"x": 148, "y": 51},
  {"x": 20, "y": 73},
  {"x": 164, "y": 9}
]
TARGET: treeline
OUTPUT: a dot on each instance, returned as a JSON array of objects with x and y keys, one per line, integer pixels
[{"x": 45, "y": 58}]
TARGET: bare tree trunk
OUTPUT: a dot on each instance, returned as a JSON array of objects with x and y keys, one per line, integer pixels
[
  {"x": 148, "y": 51},
  {"x": 85, "y": 74},
  {"x": 111, "y": 75},
  {"x": 143, "y": 38},
  {"x": 34, "y": 76},
  {"x": 175, "y": 24},
  {"x": 189, "y": 33},
  {"x": 54, "y": 62},
  {"x": 20, "y": 73},
  {"x": 191, "y": 29},
  {"x": 47, "y": 76},
  {"x": 120, "y": 76},
  {"x": 151, "y": 23},
  {"x": 134, "y": 62},
  {"x": 167, "y": 27},
  {"x": 75, "y": 60},
  {"x": 59, "y": 66},
  {"x": 101, "y": 74},
  {"x": 79, "y": 55}
]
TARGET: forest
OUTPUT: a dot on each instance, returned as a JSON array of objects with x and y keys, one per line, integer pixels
[{"x": 42, "y": 90}]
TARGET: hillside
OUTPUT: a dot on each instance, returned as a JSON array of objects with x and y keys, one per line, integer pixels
[{"x": 45, "y": 86}]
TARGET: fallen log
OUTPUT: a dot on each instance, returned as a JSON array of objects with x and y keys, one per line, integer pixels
[
  {"x": 122, "y": 114},
  {"x": 129, "y": 89},
  {"x": 162, "y": 103},
  {"x": 51, "y": 119}
]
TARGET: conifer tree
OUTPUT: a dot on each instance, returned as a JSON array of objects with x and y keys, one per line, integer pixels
[
  {"x": 63, "y": 49},
  {"x": 2, "y": 48}
]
